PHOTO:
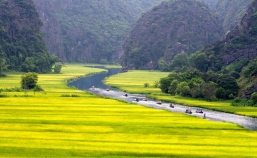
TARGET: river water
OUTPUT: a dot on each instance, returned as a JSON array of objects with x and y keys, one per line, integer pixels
[{"x": 96, "y": 81}]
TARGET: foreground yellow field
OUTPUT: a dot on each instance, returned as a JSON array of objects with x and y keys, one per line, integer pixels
[{"x": 48, "y": 125}]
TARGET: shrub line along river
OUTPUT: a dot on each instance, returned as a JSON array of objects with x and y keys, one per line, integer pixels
[{"x": 100, "y": 88}]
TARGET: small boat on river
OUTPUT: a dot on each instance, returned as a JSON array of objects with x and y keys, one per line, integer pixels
[
  {"x": 136, "y": 99},
  {"x": 171, "y": 105},
  {"x": 199, "y": 111},
  {"x": 159, "y": 102},
  {"x": 188, "y": 111}
]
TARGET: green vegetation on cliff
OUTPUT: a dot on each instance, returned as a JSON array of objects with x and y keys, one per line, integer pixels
[
  {"x": 239, "y": 46},
  {"x": 171, "y": 28},
  {"x": 235, "y": 55},
  {"x": 21, "y": 44}
]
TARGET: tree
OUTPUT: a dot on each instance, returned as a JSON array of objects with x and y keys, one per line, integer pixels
[
  {"x": 221, "y": 93},
  {"x": 199, "y": 61},
  {"x": 2, "y": 66},
  {"x": 229, "y": 84},
  {"x": 164, "y": 84},
  {"x": 183, "y": 89},
  {"x": 29, "y": 80},
  {"x": 209, "y": 91},
  {"x": 179, "y": 61},
  {"x": 254, "y": 97},
  {"x": 57, "y": 68},
  {"x": 173, "y": 86},
  {"x": 163, "y": 65}
]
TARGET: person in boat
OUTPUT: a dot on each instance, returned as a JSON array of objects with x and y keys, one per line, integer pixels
[
  {"x": 137, "y": 99},
  {"x": 107, "y": 89},
  {"x": 171, "y": 105},
  {"x": 126, "y": 95}
]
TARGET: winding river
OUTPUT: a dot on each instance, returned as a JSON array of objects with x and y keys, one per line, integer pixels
[{"x": 95, "y": 80}]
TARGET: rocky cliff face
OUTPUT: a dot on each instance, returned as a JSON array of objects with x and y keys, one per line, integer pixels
[
  {"x": 230, "y": 12},
  {"x": 240, "y": 43},
  {"x": 168, "y": 29},
  {"x": 51, "y": 28},
  {"x": 21, "y": 44},
  {"x": 89, "y": 30}
]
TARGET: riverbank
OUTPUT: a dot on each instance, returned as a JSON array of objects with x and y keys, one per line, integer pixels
[
  {"x": 133, "y": 82},
  {"x": 45, "y": 124}
]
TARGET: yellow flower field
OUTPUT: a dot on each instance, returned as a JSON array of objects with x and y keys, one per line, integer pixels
[{"x": 48, "y": 125}]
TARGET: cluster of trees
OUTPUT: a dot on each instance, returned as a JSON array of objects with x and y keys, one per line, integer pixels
[
  {"x": 196, "y": 84},
  {"x": 182, "y": 62}
]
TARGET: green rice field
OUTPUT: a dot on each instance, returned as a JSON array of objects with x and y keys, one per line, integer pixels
[
  {"x": 48, "y": 125},
  {"x": 133, "y": 81}
]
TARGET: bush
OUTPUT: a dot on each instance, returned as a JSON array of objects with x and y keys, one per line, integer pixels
[
  {"x": 74, "y": 95},
  {"x": 254, "y": 97},
  {"x": 15, "y": 89},
  {"x": 65, "y": 95},
  {"x": 3, "y": 95},
  {"x": 103, "y": 61},
  {"x": 3, "y": 75},
  {"x": 146, "y": 85},
  {"x": 156, "y": 84},
  {"x": 57, "y": 68},
  {"x": 242, "y": 102},
  {"x": 235, "y": 74},
  {"x": 38, "y": 88},
  {"x": 29, "y": 80}
]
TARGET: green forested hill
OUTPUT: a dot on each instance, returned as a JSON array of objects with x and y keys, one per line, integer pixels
[
  {"x": 21, "y": 44},
  {"x": 89, "y": 30},
  {"x": 171, "y": 28}
]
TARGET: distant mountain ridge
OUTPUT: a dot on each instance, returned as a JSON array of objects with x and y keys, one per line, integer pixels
[
  {"x": 89, "y": 30},
  {"x": 171, "y": 28}
]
